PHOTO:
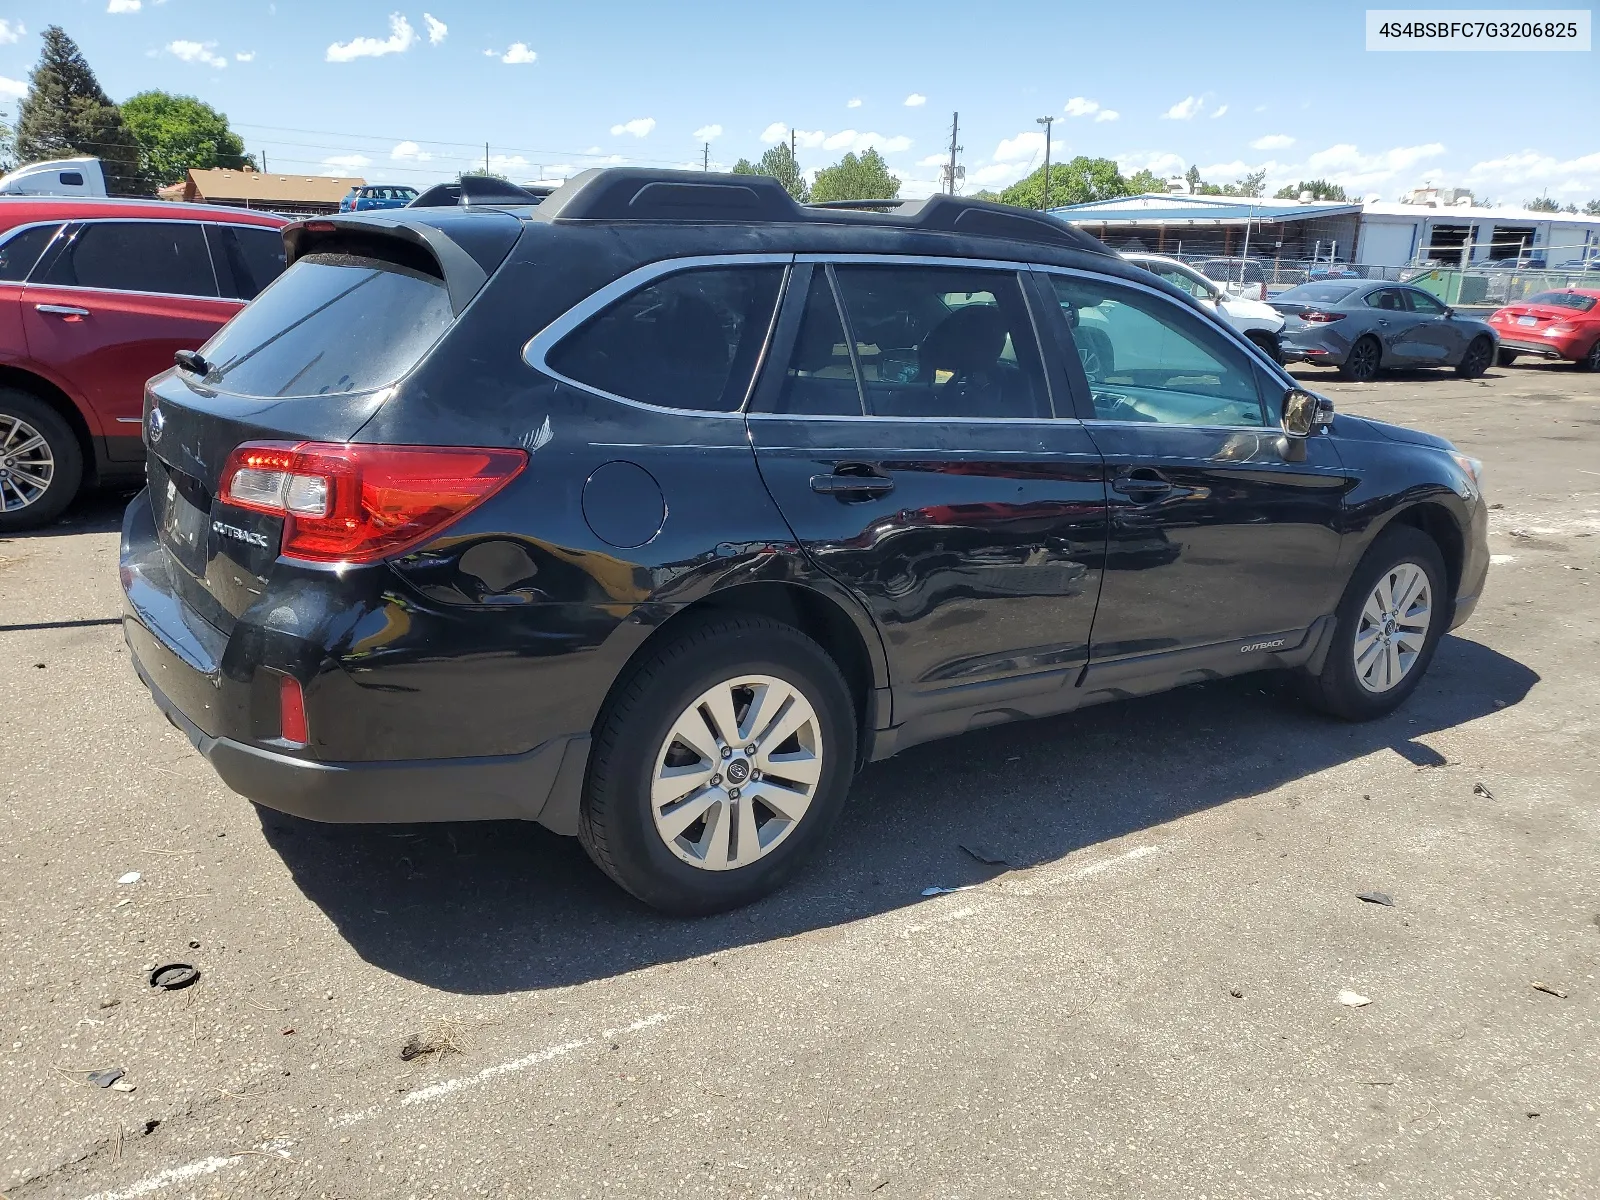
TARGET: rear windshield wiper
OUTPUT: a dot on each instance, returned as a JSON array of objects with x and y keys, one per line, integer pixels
[{"x": 192, "y": 361}]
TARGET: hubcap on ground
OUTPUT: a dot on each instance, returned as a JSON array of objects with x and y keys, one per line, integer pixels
[
  {"x": 26, "y": 465},
  {"x": 737, "y": 772},
  {"x": 1394, "y": 627}
]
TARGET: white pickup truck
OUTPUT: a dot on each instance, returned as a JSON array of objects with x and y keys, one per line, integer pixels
[
  {"x": 1259, "y": 322},
  {"x": 60, "y": 177}
]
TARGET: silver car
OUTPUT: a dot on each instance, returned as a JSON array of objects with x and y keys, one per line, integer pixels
[{"x": 1362, "y": 327}]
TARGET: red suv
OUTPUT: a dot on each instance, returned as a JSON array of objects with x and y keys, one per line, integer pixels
[{"x": 95, "y": 297}]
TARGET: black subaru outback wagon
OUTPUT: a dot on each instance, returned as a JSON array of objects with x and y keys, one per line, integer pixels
[{"x": 651, "y": 513}]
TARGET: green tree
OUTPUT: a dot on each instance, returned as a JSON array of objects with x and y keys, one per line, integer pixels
[
  {"x": 67, "y": 114},
  {"x": 1571, "y": 208},
  {"x": 1192, "y": 177},
  {"x": 778, "y": 162},
  {"x": 1253, "y": 184},
  {"x": 1592, "y": 208},
  {"x": 985, "y": 194},
  {"x": 1320, "y": 189},
  {"x": 8, "y": 144},
  {"x": 1542, "y": 204},
  {"x": 1074, "y": 182},
  {"x": 1142, "y": 183},
  {"x": 178, "y": 132},
  {"x": 852, "y": 178}
]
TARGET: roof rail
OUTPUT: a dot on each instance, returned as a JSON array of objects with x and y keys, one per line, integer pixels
[
  {"x": 478, "y": 189},
  {"x": 643, "y": 194}
]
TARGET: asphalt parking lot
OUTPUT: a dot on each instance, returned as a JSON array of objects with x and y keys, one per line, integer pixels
[{"x": 1143, "y": 1003}]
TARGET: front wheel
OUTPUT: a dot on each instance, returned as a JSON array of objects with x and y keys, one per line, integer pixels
[
  {"x": 1389, "y": 622},
  {"x": 1268, "y": 344},
  {"x": 41, "y": 463},
  {"x": 1480, "y": 353},
  {"x": 719, "y": 765},
  {"x": 1361, "y": 364}
]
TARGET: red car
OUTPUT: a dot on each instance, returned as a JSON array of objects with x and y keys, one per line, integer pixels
[
  {"x": 95, "y": 297},
  {"x": 1563, "y": 324}
]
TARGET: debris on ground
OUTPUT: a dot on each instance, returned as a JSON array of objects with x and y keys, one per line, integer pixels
[
  {"x": 173, "y": 976},
  {"x": 1382, "y": 898},
  {"x": 1548, "y": 990},
  {"x": 1353, "y": 999},
  {"x": 987, "y": 855},
  {"x": 1236, "y": 993},
  {"x": 444, "y": 1040},
  {"x": 104, "y": 1079},
  {"x": 946, "y": 891},
  {"x": 110, "y": 1002},
  {"x": 1479, "y": 789},
  {"x": 130, "y": 877},
  {"x": 122, "y": 1085}
]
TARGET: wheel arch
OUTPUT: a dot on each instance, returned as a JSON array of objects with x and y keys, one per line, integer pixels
[
  {"x": 1441, "y": 527},
  {"x": 49, "y": 393}
]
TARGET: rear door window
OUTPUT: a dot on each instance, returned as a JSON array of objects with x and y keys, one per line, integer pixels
[
  {"x": 1422, "y": 304},
  {"x": 247, "y": 258},
  {"x": 19, "y": 253},
  {"x": 167, "y": 257},
  {"x": 331, "y": 324},
  {"x": 690, "y": 340}
]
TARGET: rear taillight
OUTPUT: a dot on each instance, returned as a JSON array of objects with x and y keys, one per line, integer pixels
[
  {"x": 1317, "y": 317},
  {"x": 292, "y": 725},
  {"x": 357, "y": 504}
]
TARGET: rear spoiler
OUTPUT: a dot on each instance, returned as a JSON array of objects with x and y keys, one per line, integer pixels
[{"x": 479, "y": 189}]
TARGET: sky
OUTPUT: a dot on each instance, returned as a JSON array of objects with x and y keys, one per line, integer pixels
[{"x": 401, "y": 91}]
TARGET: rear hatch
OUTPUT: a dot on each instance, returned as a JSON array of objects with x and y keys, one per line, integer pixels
[{"x": 310, "y": 360}]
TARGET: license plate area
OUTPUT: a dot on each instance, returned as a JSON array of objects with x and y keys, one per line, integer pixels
[
  {"x": 1527, "y": 320},
  {"x": 183, "y": 518}
]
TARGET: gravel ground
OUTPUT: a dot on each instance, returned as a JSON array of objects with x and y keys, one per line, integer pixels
[{"x": 1144, "y": 1004}]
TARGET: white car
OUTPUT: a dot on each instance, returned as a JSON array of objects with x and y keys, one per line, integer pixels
[{"x": 1259, "y": 322}]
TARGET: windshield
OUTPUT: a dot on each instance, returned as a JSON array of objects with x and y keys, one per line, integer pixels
[
  {"x": 1573, "y": 300},
  {"x": 1317, "y": 293},
  {"x": 331, "y": 324}
]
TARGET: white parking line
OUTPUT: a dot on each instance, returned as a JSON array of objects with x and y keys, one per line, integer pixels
[
  {"x": 194, "y": 1170},
  {"x": 1106, "y": 864},
  {"x": 423, "y": 1095}
]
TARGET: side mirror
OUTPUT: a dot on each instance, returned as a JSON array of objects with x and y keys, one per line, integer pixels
[
  {"x": 1305, "y": 412},
  {"x": 1448, "y": 313}
]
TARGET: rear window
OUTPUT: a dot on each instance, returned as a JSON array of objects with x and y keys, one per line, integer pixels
[
  {"x": 332, "y": 324},
  {"x": 166, "y": 257},
  {"x": 1226, "y": 271},
  {"x": 20, "y": 252},
  {"x": 1317, "y": 293},
  {"x": 1563, "y": 300}
]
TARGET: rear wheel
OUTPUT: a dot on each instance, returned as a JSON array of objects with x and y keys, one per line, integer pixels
[
  {"x": 1506, "y": 357},
  {"x": 1361, "y": 364},
  {"x": 1480, "y": 353},
  {"x": 1389, "y": 622},
  {"x": 719, "y": 765},
  {"x": 41, "y": 463},
  {"x": 1268, "y": 344},
  {"x": 1591, "y": 360}
]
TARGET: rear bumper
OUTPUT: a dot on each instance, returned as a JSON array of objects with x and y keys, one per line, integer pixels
[{"x": 1550, "y": 350}]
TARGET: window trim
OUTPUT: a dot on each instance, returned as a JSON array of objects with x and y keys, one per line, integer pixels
[
  {"x": 536, "y": 351},
  {"x": 1077, "y": 380},
  {"x": 78, "y": 225}
]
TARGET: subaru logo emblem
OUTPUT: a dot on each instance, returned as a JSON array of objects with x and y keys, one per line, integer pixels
[{"x": 157, "y": 423}]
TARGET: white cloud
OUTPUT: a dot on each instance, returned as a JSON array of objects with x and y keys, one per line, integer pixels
[
  {"x": 245, "y": 56},
  {"x": 410, "y": 152},
  {"x": 916, "y": 100},
  {"x": 708, "y": 133},
  {"x": 200, "y": 52},
  {"x": 505, "y": 164},
  {"x": 1529, "y": 167},
  {"x": 1026, "y": 145},
  {"x": 401, "y": 38},
  {"x": 1107, "y": 114},
  {"x": 1185, "y": 110},
  {"x": 1273, "y": 141},
  {"x": 1221, "y": 112},
  {"x": 855, "y": 102},
  {"x": 775, "y": 132},
  {"x": 1346, "y": 165},
  {"x": 437, "y": 29},
  {"x": 852, "y": 142},
  {"x": 1082, "y": 106},
  {"x": 9, "y": 33},
  {"x": 809, "y": 139},
  {"x": 1157, "y": 162},
  {"x": 933, "y": 160},
  {"x": 518, "y": 53},
  {"x": 14, "y": 88},
  {"x": 123, "y": 6},
  {"x": 343, "y": 164},
  {"x": 639, "y": 127},
  {"x": 995, "y": 175}
]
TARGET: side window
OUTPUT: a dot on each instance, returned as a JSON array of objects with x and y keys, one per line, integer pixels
[
  {"x": 820, "y": 379},
  {"x": 943, "y": 342},
  {"x": 1148, "y": 360},
  {"x": 247, "y": 257},
  {"x": 1179, "y": 279},
  {"x": 20, "y": 253},
  {"x": 137, "y": 256},
  {"x": 690, "y": 340},
  {"x": 1423, "y": 304},
  {"x": 1390, "y": 299}
]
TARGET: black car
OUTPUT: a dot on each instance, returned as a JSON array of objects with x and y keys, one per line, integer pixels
[{"x": 654, "y": 512}]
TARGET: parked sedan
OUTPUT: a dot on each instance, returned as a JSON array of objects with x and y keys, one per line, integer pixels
[
  {"x": 1563, "y": 324},
  {"x": 374, "y": 197},
  {"x": 1363, "y": 327}
]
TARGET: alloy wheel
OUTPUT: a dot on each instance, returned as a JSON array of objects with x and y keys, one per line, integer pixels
[
  {"x": 737, "y": 772},
  {"x": 1092, "y": 367},
  {"x": 1591, "y": 361},
  {"x": 1393, "y": 630},
  {"x": 1476, "y": 360},
  {"x": 27, "y": 466},
  {"x": 1362, "y": 364}
]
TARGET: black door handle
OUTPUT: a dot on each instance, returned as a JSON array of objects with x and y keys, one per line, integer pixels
[
  {"x": 1141, "y": 485},
  {"x": 850, "y": 478}
]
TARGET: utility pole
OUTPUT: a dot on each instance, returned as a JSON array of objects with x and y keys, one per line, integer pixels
[
  {"x": 486, "y": 158},
  {"x": 263, "y": 162},
  {"x": 705, "y": 157},
  {"x": 1046, "y": 122},
  {"x": 952, "y": 171}
]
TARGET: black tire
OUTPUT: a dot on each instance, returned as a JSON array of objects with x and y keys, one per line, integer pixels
[
  {"x": 616, "y": 824},
  {"x": 21, "y": 507},
  {"x": 1336, "y": 689},
  {"x": 1591, "y": 360},
  {"x": 1268, "y": 344},
  {"x": 1096, "y": 354},
  {"x": 1362, "y": 363},
  {"x": 1475, "y": 361},
  {"x": 1506, "y": 358}
]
